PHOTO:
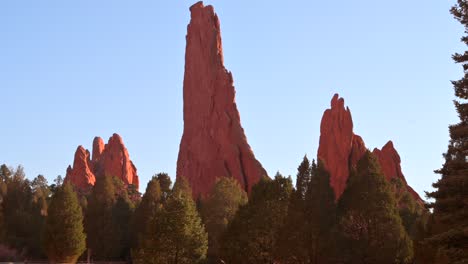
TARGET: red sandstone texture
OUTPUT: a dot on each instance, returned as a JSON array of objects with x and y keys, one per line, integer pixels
[
  {"x": 213, "y": 143},
  {"x": 389, "y": 160},
  {"x": 81, "y": 174},
  {"x": 338, "y": 145},
  {"x": 111, "y": 159},
  {"x": 340, "y": 149}
]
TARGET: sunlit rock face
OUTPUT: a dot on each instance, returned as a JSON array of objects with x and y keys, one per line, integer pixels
[
  {"x": 389, "y": 161},
  {"x": 115, "y": 161},
  {"x": 81, "y": 175},
  {"x": 111, "y": 159},
  {"x": 213, "y": 143},
  {"x": 340, "y": 149}
]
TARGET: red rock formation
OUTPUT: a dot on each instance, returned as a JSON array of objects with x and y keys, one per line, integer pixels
[
  {"x": 115, "y": 161},
  {"x": 358, "y": 150},
  {"x": 98, "y": 148},
  {"x": 389, "y": 161},
  {"x": 111, "y": 159},
  {"x": 213, "y": 143},
  {"x": 81, "y": 174},
  {"x": 339, "y": 147}
]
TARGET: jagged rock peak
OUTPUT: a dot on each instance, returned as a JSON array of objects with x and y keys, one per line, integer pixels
[
  {"x": 340, "y": 149},
  {"x": 338, "y": 144},
  {"x": 390, "y": 163},
  {"x": 213, "y": 143},
  {"x": 98, "y": 148},
  {"x": 111, "y": 159},
  {"x": 115, "y": 161},
  {"x": 81, "y": 175}
]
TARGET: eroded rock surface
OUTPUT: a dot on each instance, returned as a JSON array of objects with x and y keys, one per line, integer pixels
[
  {"x": 213, "y": 144},
  {"x": 111, "y": 159},
  {"x": 390, "y": 163},
  {"x": 81, "y": 175},
  {"x": 340, "y": 149}
]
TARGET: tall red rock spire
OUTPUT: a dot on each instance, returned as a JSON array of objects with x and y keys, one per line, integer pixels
[
  {"x": 213, "y": 143},
  {"x": 111, "y": 159},
  {"x": 98, "y": 148},
  {"x": 339, "y": 147}
]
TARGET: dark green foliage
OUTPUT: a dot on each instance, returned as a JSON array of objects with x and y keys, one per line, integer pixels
[
  {"x": 219, "y": 209},
  {"x": 122, "y": 214},
  {"x": 108, "y": 215},
  {"x": 304, "y": 174},
  {"x": 64, "y": 239},
  {"x": 165, "y": 183},
  {"x": 58, "y": 181},
  {"x": 292, "y": 244},
  {"x": 369, "y": 228},
  {"x": 451, "y": 195},
  {"x": 145, "y": 213},
  {"x": 409, "y": 210},
  {"x": 21, "y": 216},
  {"x": 252, "y": 235},
  {"x": 305, "y": 235},
  {"x": 101, "y": 230},
  {"x": 177, "y": 234},
  {"x": 320, "y": 214},
  {"x": 5, "y": 175},
  {"x": 41, "y": 193}
]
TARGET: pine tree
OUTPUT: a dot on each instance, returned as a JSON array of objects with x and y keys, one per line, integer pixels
[
  {"x": 64, "y": 239},
  {"x": 320, "y": 213},
  {"x": 292, "y": 245},
  {"x": 122, "y": 213},
  {"x": 369, "y": 228},
  {"x": 219, "y": 209},
  {"x": 177, "y": 235},
  {"x": 22, "y": 218},
  {"x": 5, "y": 175},
  {"x": 146, "y": 212},
  {"x": 252, "y": 235},
  {"x": 102, "y": 240},
  {"x": 451, "y": 195},
  {"x": 165, "y": 183}
]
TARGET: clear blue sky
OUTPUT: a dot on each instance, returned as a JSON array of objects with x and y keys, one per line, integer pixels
[{"x": 72, "y": 70}]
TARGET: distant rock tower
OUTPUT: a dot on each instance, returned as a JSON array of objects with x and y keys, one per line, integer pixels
[{"x": 111, "y": 159}]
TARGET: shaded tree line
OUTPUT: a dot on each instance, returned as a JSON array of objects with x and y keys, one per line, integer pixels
[{"x": 374, "y": 221}]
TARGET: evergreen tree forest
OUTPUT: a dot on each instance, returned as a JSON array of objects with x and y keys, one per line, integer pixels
[{"x": 374, "y": 221}]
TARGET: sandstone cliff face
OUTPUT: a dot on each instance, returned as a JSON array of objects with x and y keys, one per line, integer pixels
[
  {"x": 98, "y": 148},
  {"x": 340, "y": 149},
  {"x": 115, "y": 161},
  {"x": 389, "y": 161},
  {"x": 111, "y": 159},
  {"x": 81, "y": 175},
  {"x": 213, "y": 143}
]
